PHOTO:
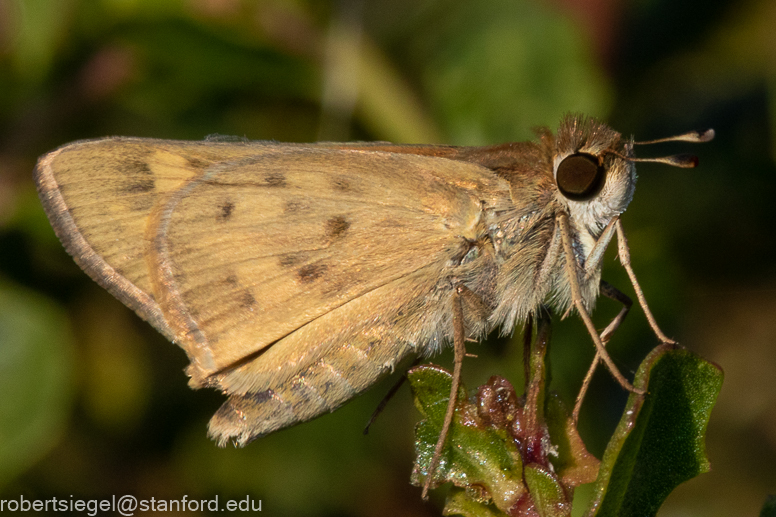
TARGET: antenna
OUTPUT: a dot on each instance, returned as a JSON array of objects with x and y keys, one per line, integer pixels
[
  {"x": 685, "y": 161},
  {"x": 696, "y": 137}
]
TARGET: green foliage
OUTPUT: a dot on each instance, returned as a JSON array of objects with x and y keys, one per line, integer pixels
[
  {"x": 479, "y": 455},
  {"x": 35, "y": 378},
  {"x": 488, "y": 73},
  {"x": 658, "y": 444},
  {"x": 660, "y": 440}
]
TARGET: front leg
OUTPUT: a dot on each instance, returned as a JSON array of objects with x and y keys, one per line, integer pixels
[
  {"x": 593, "y": 263},
  {"x": 596, "y": 255},
  {"x": 624, "y": 252},
  {"x": 578, "y": 302},
  {"x": 612, "y": 292}
]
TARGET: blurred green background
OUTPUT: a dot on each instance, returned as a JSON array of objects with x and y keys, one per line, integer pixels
[{"x": 93, "y": 402}]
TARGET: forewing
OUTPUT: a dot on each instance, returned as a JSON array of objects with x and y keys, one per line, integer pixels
[
  {"x": 99, "y": 194},
  {"x": 259, "y": 248}
]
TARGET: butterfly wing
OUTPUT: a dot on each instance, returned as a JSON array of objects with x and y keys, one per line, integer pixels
[
  {"x": 98, "y": 196},
  {"x": 293, "y": 276}
]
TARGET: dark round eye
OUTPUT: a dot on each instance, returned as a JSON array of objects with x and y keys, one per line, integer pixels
[{"x": 580, "y": 177}]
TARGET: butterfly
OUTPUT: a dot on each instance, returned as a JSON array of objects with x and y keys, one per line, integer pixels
[{"x": 294, "y": 276}]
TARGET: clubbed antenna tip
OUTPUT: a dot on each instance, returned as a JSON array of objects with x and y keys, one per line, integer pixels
[
  {"x": 685, "y": 161},
  {"x": 691, "y": 136}
]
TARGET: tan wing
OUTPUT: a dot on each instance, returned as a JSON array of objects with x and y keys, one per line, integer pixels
[
  {"x": 291, "y": 275},
  {"x": 256, "y": 249},
  {"x": 98, "y": 196}
]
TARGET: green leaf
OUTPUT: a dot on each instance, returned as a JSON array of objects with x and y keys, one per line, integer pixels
[
  {"x": 659, "y": 442},
  {"x": 548, "y": 495},
  {"x": 494, "y": 434},
  {"x": 36, "y": 361},
  {"x": 459, "y": 503},
  {"x": 475, "y": 457}
]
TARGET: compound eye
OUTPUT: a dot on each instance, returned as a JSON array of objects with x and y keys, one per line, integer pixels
[{"x": 580, "y": 176}]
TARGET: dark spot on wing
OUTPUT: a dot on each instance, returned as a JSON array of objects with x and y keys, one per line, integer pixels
[
  {"x": 336, "y": 226},
  {"x": 247, "y": 301},
  {"x": 140, "y": 167},
  {"x": 140, "y": 186},
  {"x": 232, "y": 411},
  {"x": 140, "y": 178},
  {"x": 292, "y": 259},
  {"x": 275, "y": 179},
  {"x": 228, "y": 413},
  {"x": 226, "y": 211},
  {"x": 258, "y": 398},
  {"x": 197, "y": 163},
  {"x": 244, "y": 298},
  {"x": 311, "y": 272}
]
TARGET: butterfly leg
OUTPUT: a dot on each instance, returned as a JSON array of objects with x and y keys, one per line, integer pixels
[
  {"x": 578, "y": 302},
  {"x": 388, "y": 396},
  {"x": 624, "y": 252},
  {"x": 460, "y": 351},
  {"x": 596, "y": 255},
  {"x": 612, "y": 292}
]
